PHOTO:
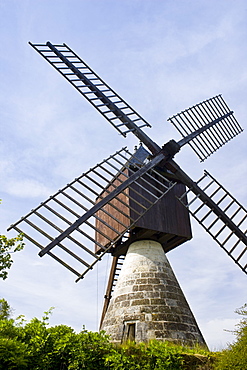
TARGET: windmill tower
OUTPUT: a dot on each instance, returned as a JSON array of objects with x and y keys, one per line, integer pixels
[{"x": 136, "y": 206}]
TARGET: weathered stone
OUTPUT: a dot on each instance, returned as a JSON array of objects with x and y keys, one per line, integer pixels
[
  {"x": 172, "y": 302},
  {"x": 135, "y": 288},
  {"x": 125, "y": 304},
  {"x": 141, "y": 281},
  {"x": 146, "y": 309},
  {"x": 147, "y": 274},
  {"x": 148, "y": 296},
  {"x": 155, "y": 294},
  {"x": 140, "y": 302},
  {"x": 159, "y": 316},
  {"x": 137, "y": 295},
  {"x": 160, "y": 334},
  {"x": 156, "y": 325},
  {"x": 148, "y": 317},
  {"x": 174, "y": 318},
  {"x": 159, "y": 287},
  {"x": 146, "y": 287},
  {"x": 153, "y": 281},
  {"x": 187, "y": 319},
  {"x": 121, "y": 298},
  {"x": 157, "y": 301},
  {"x": 128, "y": 282}
]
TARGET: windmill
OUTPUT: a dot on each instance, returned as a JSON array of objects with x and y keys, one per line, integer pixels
[{"x": 136, "y": 206}]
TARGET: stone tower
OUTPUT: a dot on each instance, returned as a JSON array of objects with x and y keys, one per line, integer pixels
[{"x": 147, "y": 302}]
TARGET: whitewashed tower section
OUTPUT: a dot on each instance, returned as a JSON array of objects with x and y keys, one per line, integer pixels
[{"x": 147, "y": 302}]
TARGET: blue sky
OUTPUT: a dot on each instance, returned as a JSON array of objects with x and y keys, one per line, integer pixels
[{"x": 161, "y": 57}]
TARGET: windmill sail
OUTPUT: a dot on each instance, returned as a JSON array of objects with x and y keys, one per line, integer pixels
[
  {"x": 193, "y": 120},
  {"x": 228, "y": 231},
  {"x": 115, "y": 109},
  {"x": 63, "y": 211},
  {"x": 89, "y": 216}
]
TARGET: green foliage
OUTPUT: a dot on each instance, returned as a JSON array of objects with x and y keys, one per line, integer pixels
[
  {"x": 5, "y": 309},
  {"x": 7, "y": 248},
  {"x": 165, "y": 355},
  {"x": 157, "y": 355},
  {"x": 37, "y": 346},
  {"x": 235, "y": 356},
  {"x": 129, "y": 356},
  {"x": 12, "y": 350},
  {"x": 90, "y": 351},
  {"x": 12, "y": 354}
]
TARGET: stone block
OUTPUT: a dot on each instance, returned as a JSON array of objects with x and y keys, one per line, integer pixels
[
  {"x": 147, "y": 274},
  {"x": 137, "y": 295},
  {"x": 159, "y": 316},
  {"x": 141, "y": 281},
  {"x": 140, "y": 302},
  {"x": 157, "y": 301},
  {"x": 146, "y": 287},
  {"x": 155, "y": 281},
  {"x": 121, "y": 298},
  {"x": 154, "y": 294},
  {"x": 160, "y": 287},
  {"x": 125, "y": 303}
]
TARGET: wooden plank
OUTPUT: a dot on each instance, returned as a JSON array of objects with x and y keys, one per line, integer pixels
[
  {"x": 108, "y": 289},
  {"x": 168, "y": 220},
  {"x": 113, "y": 210},
  {"x": 167, "y": 215}
]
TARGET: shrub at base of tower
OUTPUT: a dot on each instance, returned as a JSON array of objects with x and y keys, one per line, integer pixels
[
  {"x": 158, "y": 355},
  {"x": 235, "y": 357},
  {"x": 35, "y": 345}
]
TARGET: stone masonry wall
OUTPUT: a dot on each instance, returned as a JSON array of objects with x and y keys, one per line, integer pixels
[{"x": 148, "y": 295}]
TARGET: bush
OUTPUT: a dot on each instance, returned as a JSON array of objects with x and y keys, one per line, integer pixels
[
  {"x": 158, "y": 355},
  {"x": 36, "y": 346},
  {"x": 235, "y": 356}
]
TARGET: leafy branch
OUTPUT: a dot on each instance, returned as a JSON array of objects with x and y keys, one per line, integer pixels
[{"x": 7, "y": 248}]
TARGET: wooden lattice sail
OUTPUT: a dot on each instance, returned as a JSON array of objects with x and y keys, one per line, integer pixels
[{"x": 109, "y": 222}]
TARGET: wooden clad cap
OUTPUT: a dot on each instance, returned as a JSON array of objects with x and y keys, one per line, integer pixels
[{"x": 167, "y": 221}]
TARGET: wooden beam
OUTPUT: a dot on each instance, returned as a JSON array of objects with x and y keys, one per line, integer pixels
[{"x": 107, "y": 296}]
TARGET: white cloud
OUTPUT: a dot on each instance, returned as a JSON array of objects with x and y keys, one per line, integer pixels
[
  {"x": 219, "y": 333},
  {"x": 27, "y": 188}
]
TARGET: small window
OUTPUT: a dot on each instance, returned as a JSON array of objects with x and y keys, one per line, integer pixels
[{"x": 131, "y": 332}]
